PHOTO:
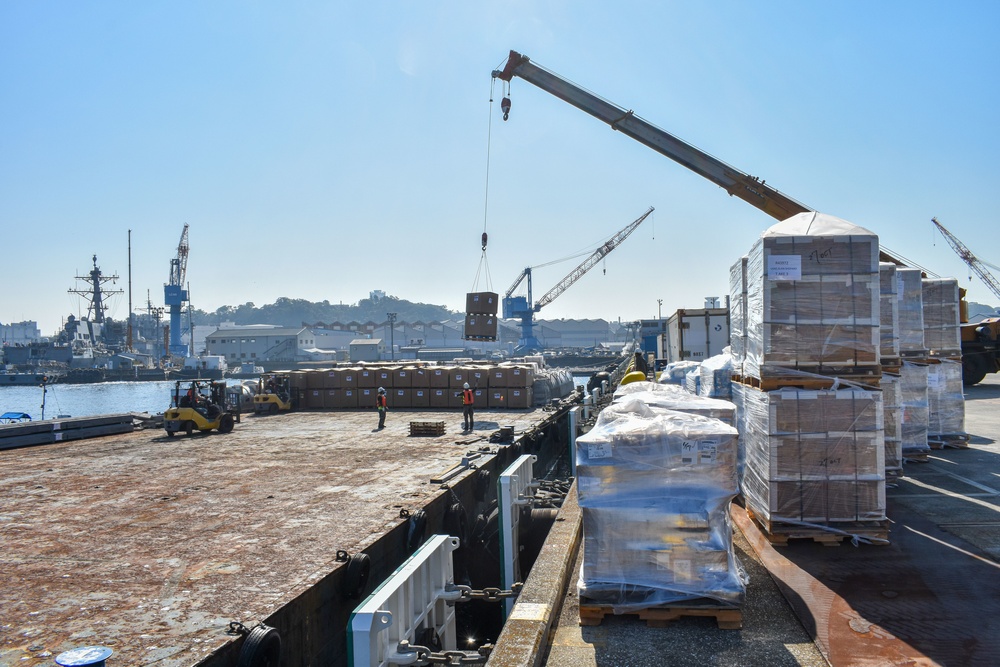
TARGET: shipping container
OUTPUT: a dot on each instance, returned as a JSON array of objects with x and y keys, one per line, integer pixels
[{"x": 695, "y": 334}]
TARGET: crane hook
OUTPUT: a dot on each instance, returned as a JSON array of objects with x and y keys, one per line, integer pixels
[
  {"x": 505, "y": 107},
  {"x": 484, "y": 241}
]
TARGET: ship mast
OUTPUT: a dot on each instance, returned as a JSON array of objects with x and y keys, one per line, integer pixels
[{"x": 95, "y": 293}]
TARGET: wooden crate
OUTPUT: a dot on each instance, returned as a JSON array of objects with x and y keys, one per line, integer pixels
[
  {"x": 426, "y": 428},
  {"x": 727, "y": 617}
]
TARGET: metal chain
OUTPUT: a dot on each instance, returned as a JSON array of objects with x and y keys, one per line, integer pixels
[
  {"x": 427, "y": 657},
  {"x": 486, "y": 594}
]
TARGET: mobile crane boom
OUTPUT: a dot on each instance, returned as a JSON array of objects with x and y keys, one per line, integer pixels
[
  {"x": 969, "y": 258},
  {"x": 748, "y": 188}
]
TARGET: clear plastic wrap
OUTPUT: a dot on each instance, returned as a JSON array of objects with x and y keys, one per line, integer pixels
[
  {"x": 916, "y": 419},
  {"x": 682, "y": 401},
  {"x": 813, "y": 296},
  {"x": 654, "y": 486},
  {"x": 692, "y": 380},
  {"x": 892, "y": 400},
  {"x": 942, "y": 328},
  {"x": 645, "y": 386},
  {"x": 888, "y": 311},
  {"x": 676, "y": 372},
  {"x": 815, "y": 456},
  {"x": 660, "y": 551},
  {"x": 910, "y": 307},
  {"x": 716, "y": 376},
  {"x": 945, "y": 399},
  {"x": 738, "y": 312}
]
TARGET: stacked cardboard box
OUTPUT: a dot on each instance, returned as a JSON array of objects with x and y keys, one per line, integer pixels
[
  {"x": 892, "y": 407},
  {"x": 815, "y": 456},
  {"x": 813, "y": 298},
  {"x": 888, "y": 314},
  {"x": 481, "y": 316},
  {"x": 942, "y": 328},
  {"x": 916, "y": 417},
  {"x": 738, "y": 313},
  {"x": 945, "y": 400},
  {"x": 654, "y": 487},
  {"x": 910, "y": 310}
]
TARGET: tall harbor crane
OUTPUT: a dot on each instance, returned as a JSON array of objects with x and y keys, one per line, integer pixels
[
  {"x": 174, "y": 294},
  {"x": 749, "y": 188},
  {"x": 978, "y": 267},
  {"x": 520, "y": 307}
]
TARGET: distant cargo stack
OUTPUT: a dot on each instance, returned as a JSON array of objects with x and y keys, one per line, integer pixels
[{"x": 481, "y": 316}]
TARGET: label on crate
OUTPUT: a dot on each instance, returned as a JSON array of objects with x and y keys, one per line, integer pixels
[
  {"x": 708, "y": 451},
  {"x": 689, "y": 452},
  {"x": 784, "y": 267},
  {"x": 935, "y": 382},
  {"x": 599, "y": 450}
]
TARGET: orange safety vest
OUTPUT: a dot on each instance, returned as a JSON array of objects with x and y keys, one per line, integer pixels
[
  {"x": 380, "y": 401},
  {"x": 467, "y": 397}
]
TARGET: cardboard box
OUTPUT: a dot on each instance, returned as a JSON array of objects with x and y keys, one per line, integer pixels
[
  {"x": 420, "y": 397},
  {"x": 384, "y": 378},
  {"x": 497, "y": 398},
  {"x": 348, "y": 378},
  {"x": 312, "y": 399},
  {"x": 366, "y": 377},
  {"x": 439, "y": 398},
  {"x": 479, "y": 376},
  {"x": 401, "y": 377},
  {"x": 298, "y": 380},
  {"x": 520, "y": 376},
  {"x": 315, "y": 379},
  {"x": 366, "y": 397},
  {"x": 341, "y": 399},
  {"x": 498, "y": 376},
  {"x": 481, "y": 327},
  {"x": 520, "y": 398},
  {"x": 458, "y": 376},
  {"x": 399, "y": 397},
  {"x": 439, "y": 377},
  {"x": 481, "y": 302},
  {"x": 420, "y": 377}
]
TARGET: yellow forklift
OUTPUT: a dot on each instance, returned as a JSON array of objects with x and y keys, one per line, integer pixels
[
  {"x": 199, "y": 405},
  {"x": 274, "y": 394}
]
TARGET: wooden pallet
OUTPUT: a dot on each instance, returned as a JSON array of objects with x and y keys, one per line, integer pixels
[
  {"x": 779, "y": 534},
  {"x": 426, "y": 428},
  {"x": 727, "y": 617},
  {"x": 772, "y": 382},
  {"x": 915, "y": 457},
  {"x": 956, "y": 441}
]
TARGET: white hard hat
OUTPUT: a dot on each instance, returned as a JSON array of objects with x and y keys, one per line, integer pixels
[
  {"x": 381, "y": 390},
  {"x": 466, "y": 385}
]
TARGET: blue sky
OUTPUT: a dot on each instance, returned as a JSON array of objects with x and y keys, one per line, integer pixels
[{"x": 324, "y": 150}]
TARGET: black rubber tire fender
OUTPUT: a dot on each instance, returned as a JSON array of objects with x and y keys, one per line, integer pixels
[
  {"x": 356, "y": 573},
  {"x": 456, "y": 523},
  {"x": 261, "y": 648},
  {"x": 415, "y": 530},
  {"x": 481, "y": 485}
]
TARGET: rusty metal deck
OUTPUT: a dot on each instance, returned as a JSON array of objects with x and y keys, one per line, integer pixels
[{"x": 152, "y": 545}]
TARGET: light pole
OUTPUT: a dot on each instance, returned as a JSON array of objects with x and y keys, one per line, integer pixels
[
  {"x": 659, "y": 307},
  {"x": 392, "y": 332}
]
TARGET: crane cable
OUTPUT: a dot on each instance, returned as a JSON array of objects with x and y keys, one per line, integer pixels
[{"x": 484, "y": 264}]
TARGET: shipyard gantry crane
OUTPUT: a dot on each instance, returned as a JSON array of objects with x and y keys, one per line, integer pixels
[
  {"x": 750, "y": 189},
  {"x": 174, "y": 294},
  {"x": 520, "y": 307}
]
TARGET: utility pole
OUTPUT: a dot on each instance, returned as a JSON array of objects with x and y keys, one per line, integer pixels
[
  {"x": 659, "y": 309},
  {"x": 392, "y": 333}
]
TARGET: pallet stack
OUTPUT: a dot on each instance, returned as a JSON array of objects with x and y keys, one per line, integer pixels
[
  {"x": 913, "y": 367},
  {"x": 890, "y": 359},
  {"x": 943, "y": 338},
  {"x": 481, "y": 316},
  {"x": 655, "y": 486},
  {"x": 810, "y": 407}
]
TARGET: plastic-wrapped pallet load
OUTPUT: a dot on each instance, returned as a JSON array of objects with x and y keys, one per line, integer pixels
[
  {"x": 888, "y": 310},
  {"x": 654, "y": 487},
  {"x": 676, "y": 372},
  {"x": 716, "y": 376},
  {"x": 738, "y": 313},
  {"x": 814, "y": 456},
  {"x": 916, "y": 419},
  {"x": 942, "y": 328},
  {"x": 892, "y": 400},
  {"x": 813, "y": 298},
  {"x": 692, "y": 380},
  {"x": 910, "y": 310},
  {"x": 945, "y": 400}
]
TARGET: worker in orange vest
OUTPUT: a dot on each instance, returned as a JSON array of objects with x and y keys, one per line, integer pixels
[
  {"x": 468, "y": 398},
  {"x": 380, "y": 404}
]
